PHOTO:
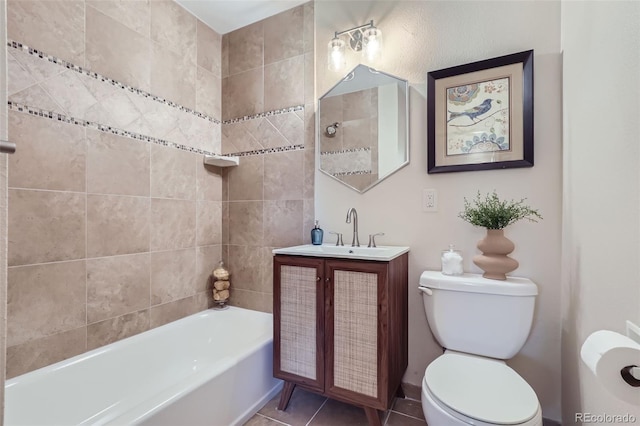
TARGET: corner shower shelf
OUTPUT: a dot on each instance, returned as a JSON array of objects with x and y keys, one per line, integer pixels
[{"x": 221, "y": 160}]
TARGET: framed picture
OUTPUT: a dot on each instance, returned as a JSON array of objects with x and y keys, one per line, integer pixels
[{"x": 480, "y": 115}]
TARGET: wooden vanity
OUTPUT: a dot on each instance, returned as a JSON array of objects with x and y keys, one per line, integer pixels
[{"x": 340, "y": 325}]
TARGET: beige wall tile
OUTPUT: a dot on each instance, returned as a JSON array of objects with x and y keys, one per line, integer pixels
[
  {"x": 36, "y": 96},
  {"x": 283, "y": 223},
  {"x": 283, "y": 35},
  {"x": 69, "y": 92},
  {"x": 173, "y": 173},
  {"x": 173, "y": 76},
  {"x": 117, "y": 285},
  {"x": 163, "y": 314},
  {"x": 207, "y": 259},
  {"x": 224, "y": 57},
  {"x": 116, "y": 51},
  {"x": 173, "y": 224},
  {"x": 48, "y": 350},
  {"x": 266, "y": 269},
  {"x": 117, "y": 225},
  {"x": 174, "y": 27},
  {"x": 244, "y": 265},
  {"x": 209, "y": 230},
  {"x": 308, "y": 30},
  {"x": 245, "y": 223},
  {"x": 55, "y": 27},
  {"x": 133, "y": 14},
  {"x": 246, "y": 46},
  {"x": 291, "y": 126},
  {"x": 251, "y": 300},
  {"x": 209, "y": 45},
  {"x": 37, "y": 68},
  {"x": 117, "y": 165},
  {"x": 238, "y": 137},
  {"x": 118, "y": 328},
  {"x": 310, "y": 126},
  {"x": 245, "y": 181},
  {"x": 225, "y": 222},
  {"x": 266, "y": 133},
  {"x": 309, "y": 170},
  {"x": 17, "y": 76},
  {"x": 243, "y": 94},
  {"x": 208, "y": 93},
  {"x": 309, "y": 78},
  {"x": 45, "y": 226},
  {"x": 50, "y": 155},
  {"x": 173, "y": 275},
  {"x": 45, "y": 299},
  {"x": 209, "y": 182},
  {"x": 203, "y": 301},
  {"x": 283, "y": 175},
  {"x": 284, "y": 83}
]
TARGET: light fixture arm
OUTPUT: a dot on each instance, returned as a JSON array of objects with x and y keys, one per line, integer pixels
[{"x": 360, "y": 27}]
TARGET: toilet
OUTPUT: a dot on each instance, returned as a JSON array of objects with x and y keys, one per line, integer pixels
[{"x": 480, "y": 323}]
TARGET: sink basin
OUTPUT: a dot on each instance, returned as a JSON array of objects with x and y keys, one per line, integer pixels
[{"x": 380, "y": 253}]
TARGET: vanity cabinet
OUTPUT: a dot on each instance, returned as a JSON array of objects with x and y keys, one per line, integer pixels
[{"x": 340, "y": 328}]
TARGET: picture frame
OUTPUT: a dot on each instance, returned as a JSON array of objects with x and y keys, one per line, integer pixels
[{"x": 480, "y": 115}]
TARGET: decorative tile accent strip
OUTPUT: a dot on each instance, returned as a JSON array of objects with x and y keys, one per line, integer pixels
[
  {"x": 358, "y": 172},
  {"x": 78, "y": 69},
  {"x": 267, "y": 151},
  {"x": 345, "y": 151},
  {"x": 13, "y": 106},
  {"x": 264, "y": 114}
]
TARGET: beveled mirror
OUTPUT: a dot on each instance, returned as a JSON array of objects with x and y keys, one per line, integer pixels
[{"x": 364, "y": 128}]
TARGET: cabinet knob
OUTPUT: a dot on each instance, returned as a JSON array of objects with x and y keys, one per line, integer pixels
[{"x": 317, "y": 278}]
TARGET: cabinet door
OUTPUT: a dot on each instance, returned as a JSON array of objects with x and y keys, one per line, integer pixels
[
  {"x": 354, "y": 321},
  {"x": 299, "y": 320}
]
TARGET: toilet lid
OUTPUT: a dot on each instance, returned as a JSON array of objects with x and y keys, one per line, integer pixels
[{"x": 480, "y": 388}]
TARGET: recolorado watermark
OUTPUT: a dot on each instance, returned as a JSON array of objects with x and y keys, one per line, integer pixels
[{"x": 614, "y": 419}]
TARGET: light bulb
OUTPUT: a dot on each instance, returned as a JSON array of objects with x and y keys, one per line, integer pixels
[
  {"x": 335, "y": 54},
  {"x": 372, "y": 40}
]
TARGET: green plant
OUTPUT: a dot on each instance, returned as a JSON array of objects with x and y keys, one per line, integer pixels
[{"x": 493, "y": 213}]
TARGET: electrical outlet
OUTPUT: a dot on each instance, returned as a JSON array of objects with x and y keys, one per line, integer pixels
[{"x": 429, "y": 200}]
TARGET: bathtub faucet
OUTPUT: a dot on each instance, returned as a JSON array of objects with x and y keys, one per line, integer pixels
[{"x": 352, "y": 212}]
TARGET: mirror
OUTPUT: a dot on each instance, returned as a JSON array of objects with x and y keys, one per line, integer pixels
[{"x": 364, "y": 127}]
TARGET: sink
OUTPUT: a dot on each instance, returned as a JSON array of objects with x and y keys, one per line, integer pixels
[{"x": 380, "y": 253}]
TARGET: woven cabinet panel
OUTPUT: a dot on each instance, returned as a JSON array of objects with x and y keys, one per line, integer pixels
[
  {"x": 298, "y": 320},
  {"x": 355, "y": 316}
]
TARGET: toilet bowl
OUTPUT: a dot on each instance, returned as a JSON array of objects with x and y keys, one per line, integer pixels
[
  {"x": 461, "y": 389},
  {"x": 481, "y": 323}
]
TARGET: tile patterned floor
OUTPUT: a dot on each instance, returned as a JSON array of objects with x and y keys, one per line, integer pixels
[{"x": 308, "y": 409}]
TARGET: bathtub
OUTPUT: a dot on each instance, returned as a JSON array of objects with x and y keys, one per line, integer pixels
[{"x": 213, "y": 368}]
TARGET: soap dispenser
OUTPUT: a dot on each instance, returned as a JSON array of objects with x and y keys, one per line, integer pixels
[{"x": 316, "y": 235}]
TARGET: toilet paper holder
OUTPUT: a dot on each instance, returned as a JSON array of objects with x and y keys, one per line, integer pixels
[{"x": 629, "y": 374}]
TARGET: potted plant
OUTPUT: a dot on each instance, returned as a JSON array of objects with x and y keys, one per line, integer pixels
[{"x": 494, "y": 214}]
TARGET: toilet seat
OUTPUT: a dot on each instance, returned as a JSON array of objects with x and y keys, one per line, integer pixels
[{"x": 480, "y": 391}]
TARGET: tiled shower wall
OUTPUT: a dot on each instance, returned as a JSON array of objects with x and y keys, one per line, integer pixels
[
  {"x": 268, "y": 119},
  {"x": 114, "y": 221}
]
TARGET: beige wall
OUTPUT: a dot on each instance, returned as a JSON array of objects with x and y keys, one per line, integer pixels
[
  {"x": 601, "y": 234},
  {"x": 268, "y": 115},
  {"x": 3, "y": 204},
  {"x": 425, "y": 36},
  {"x": 114, "y": 221}
]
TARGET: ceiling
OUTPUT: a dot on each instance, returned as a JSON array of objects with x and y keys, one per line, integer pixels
[{"x": 227, "y": 15}]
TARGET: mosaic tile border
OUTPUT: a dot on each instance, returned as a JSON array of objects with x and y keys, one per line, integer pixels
[
  {"x": 37, "y": 53},
  {"x": 346, "y": 151},
  {"x": 264, "y": 114},
  {"x": 268, "y": 150},
  {"x": 357, "y": 172},
  {"x": 14, "y": 106}
]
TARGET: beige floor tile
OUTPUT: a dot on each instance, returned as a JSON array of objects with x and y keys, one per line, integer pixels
[
  {"x": 409, "y": 407},
  {"x": 302, "y": 406},
  {"x": 396, "y": 419},
  {"x": 335, "y": 413}
]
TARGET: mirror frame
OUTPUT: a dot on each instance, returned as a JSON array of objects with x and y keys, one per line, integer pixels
[{"x": 319, "y": 126}]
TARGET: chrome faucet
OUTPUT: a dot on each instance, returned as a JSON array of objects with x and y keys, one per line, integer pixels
[{"x": 352, "y": 212}]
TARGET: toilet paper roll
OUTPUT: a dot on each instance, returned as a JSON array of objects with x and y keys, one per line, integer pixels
[{"x": 606, "y": 353}]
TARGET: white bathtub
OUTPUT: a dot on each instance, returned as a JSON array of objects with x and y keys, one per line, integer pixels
[{"x": 213, "y": 368}]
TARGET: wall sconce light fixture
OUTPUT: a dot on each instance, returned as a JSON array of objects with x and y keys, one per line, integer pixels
[{"x": 364, "y": 38}]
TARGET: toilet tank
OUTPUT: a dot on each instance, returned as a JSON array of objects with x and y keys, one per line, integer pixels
[{"x": 476, "y": 315}]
